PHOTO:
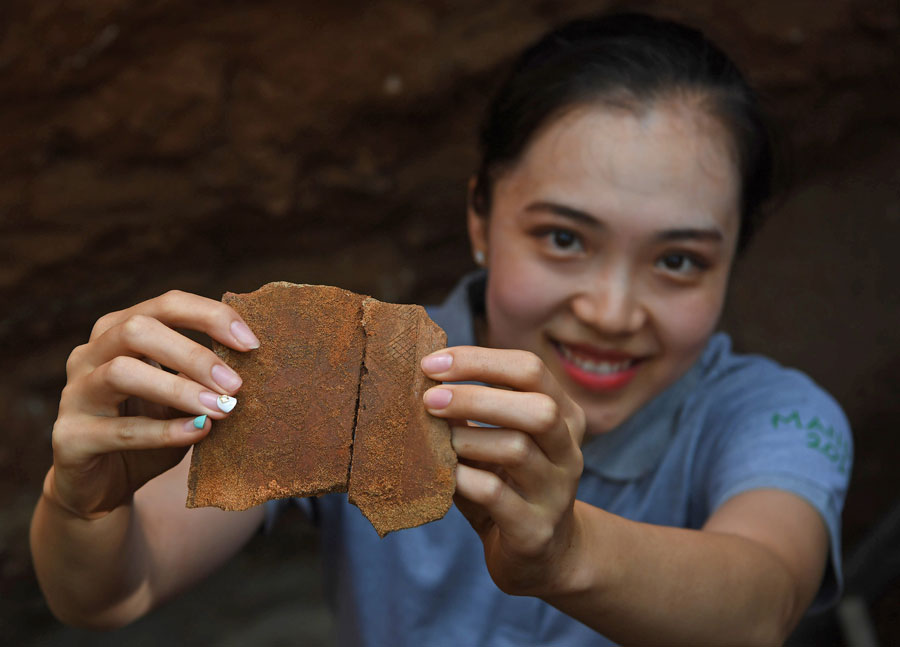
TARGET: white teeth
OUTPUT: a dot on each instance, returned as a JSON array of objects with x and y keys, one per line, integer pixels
[{"x": 602, "y": 368}]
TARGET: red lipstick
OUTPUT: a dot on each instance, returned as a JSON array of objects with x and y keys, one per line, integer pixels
[{"x": 597, "y": 370}]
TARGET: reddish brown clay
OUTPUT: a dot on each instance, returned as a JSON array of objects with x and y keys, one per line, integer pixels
[
  {"x": 292, "y": 430},
  {"x": 403, "y": 463},
  {"x": 292, "y": 433}
]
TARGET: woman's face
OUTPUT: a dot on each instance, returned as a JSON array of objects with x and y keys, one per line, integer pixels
[{"x": 608, "y": 246}]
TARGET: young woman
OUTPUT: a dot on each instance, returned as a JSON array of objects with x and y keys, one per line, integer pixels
[{"x": 630, "y": 479}]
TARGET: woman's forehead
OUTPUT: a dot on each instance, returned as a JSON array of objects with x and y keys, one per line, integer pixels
[
  {"x": 666, "y": 159},
  {"x": 667, "y": 142}
]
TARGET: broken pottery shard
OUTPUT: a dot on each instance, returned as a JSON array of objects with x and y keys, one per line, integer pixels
[
  {"x": 402, "y": 471},
  {"x": 292, "y": 430},
  {"x": 308, "y": 421}
]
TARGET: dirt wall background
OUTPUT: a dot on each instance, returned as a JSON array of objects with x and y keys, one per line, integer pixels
[{"x": 212, "y": 146}]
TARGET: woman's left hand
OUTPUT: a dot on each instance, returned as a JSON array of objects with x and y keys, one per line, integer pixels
[{"x": 516, "y": 481}]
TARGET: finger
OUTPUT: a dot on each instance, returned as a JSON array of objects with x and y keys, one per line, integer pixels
[
  {"x": 516, "y": 452},
  {"x": 101, "y": 392},
  {"x": 179, "y": 309},
  {"x": 509, "y": 511},
  {"x": 516, "y": 369},
  {"x": 145, "y": 337},
  {"x": 89, "y": 436},
  {"x": 476, "y": 515},
  {"x": 536, "y": 414}
]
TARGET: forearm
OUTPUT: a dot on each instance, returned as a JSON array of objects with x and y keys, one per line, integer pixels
[
  {"x": 91, "y": 571},
  {"x": 642, "y": 584},
  {"x": 112, "y": 570}
]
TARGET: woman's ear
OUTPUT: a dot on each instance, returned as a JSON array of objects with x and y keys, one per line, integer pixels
[{"x": 478, "y": 228}]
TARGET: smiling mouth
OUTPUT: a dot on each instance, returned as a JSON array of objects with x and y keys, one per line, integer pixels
[
  {"x": 598, "y": 366},
  {"x": 597, "y": 371}
]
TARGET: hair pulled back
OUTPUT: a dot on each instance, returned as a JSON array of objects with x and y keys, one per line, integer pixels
[{"x": 629, "y": 61}]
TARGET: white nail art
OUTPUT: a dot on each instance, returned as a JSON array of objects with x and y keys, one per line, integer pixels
[{"x": 226, "y": 403}]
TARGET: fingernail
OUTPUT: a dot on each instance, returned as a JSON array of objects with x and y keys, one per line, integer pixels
[
  {"x": 226, "y": 403},
  {"x": 438, "y": 398},
  {"x": 437, "y": 363},
  {"x": 209, "y": 400},
  {"x": 454, "y": 443},
  {"x": 244, "y": 335},
  {"x": 196, "y": 423},
  {"x": 226, "y": 378}
]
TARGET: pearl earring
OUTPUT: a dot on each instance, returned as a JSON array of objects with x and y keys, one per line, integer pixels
[{"x": 479, "y": 257}]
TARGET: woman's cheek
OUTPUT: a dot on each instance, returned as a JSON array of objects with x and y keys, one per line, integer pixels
[{"x": 521, "y": 297}]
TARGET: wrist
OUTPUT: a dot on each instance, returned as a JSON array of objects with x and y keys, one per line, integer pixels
[
  {"x": 563, "y": 569},
  {"x": 50, "y": 493},
  {"x": 574, "y": 568},
  {"x": 588, "y": 569}
]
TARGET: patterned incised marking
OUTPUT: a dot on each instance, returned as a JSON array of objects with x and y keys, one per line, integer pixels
[{"x": 398, "y": 355}]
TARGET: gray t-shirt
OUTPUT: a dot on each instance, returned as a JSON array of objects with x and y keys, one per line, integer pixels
[{"x": 732, "y": 423}]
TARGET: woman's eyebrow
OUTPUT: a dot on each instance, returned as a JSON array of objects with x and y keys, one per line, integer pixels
[
  {"x": 691, "y": 233},
  {"x": 567, "y": 212},
  {"x": 713, "y": 234}
]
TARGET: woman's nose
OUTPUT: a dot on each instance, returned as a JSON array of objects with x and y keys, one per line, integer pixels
[{"x": 611, "y": 306}]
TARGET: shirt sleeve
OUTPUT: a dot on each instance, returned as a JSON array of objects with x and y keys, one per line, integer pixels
[{"x": 789, "y": 435}]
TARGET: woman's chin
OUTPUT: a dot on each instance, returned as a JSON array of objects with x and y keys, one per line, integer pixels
[{"x": 602, "y": 420}]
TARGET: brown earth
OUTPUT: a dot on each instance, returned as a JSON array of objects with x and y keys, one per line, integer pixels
[{"x": 211, "y": 147}]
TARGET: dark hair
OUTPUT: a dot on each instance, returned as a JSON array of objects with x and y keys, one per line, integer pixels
[{"x": 627, "y": 60}]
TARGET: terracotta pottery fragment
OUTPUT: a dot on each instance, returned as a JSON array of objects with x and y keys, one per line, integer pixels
[
  {"x": 333, "y": 394},
  {"x": 402, "y": 470},
  {"x": 292, "y": 430}
]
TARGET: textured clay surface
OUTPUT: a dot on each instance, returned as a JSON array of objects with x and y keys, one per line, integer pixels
[
  {"x": 403, "y": 463},
  {"x": 292, "y": 430},
  {"x": 333, "y": 394}
]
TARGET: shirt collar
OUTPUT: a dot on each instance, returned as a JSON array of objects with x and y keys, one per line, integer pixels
[{"x": 636, "y": 446}]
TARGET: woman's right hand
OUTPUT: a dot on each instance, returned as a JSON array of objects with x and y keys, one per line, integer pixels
[{"x": 123, "y": 419}]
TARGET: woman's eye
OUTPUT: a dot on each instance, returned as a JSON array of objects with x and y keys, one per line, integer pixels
[
  {"x": 563, "y": 239},
  {"x": 681, "y": 264}
]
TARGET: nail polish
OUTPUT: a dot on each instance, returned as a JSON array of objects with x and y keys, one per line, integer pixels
[
  {"x": 244, "y": 335},
  {"x": 226, "y": 403},
  {"x": 438, "y": 398},
  {"x": 209, "y": 400},
  {"x": 437, "y": 363},
  {"x": 225, "y": 377}
]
